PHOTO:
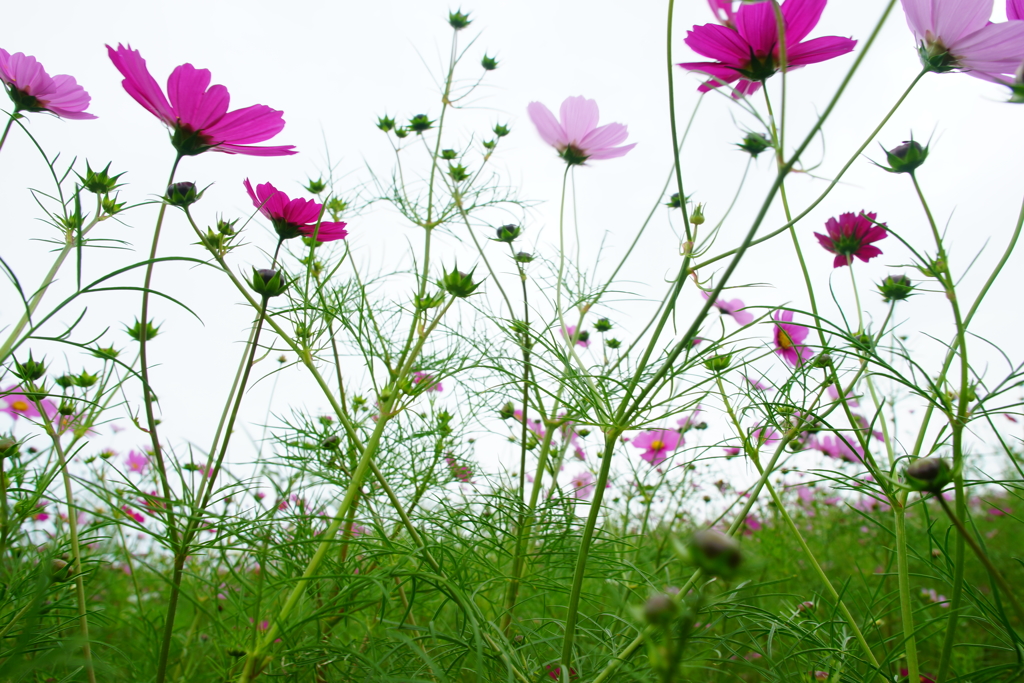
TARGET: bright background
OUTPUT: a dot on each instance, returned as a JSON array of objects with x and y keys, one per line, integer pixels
[{"x": 334, "y": 67}]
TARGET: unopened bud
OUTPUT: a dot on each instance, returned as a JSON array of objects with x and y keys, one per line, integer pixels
[
  {"x": 716, "y": 553},
  {"x": 929, "y": 474},
  {"x": 660, "y": 610}
]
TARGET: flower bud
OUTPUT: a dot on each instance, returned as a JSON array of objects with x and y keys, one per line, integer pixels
[
  {"x": 489, "y": 63},
  {"x": 660, "y": 610},
  {"x": 501, "y": 130},
  {"x": 8, "y": 447},
  {"x": 111, "y": 206},
  {"x": 906, "y": 158},
  {"x": 718, "y": 363},
  {"x": 507, "y": 411},
  {"x": 31, "y": 370},
  {"x": 674, "y": 202},
  {"x": 822, "y": 360},
  {"x": 85, "y": 379},
  {"x": 524, "y": 257},
  {"x": 716, "y": 553},
  {"x": 458, "y": 284},
  {"x": 106, "y": 353},
  {"x": 401, "y": 132},
  {"x": 1017, "y": 87},
  {"x": 508, "y": 233},
  {"x": 420, "y": 123},
  {"x": 754, "y": 143},
  {"x": 458, "y": 20},
  {"x": 613, "y": 343},
  {"x": 448, "y": 154},
  {"x": 331, "y": 442},
  {"x": 458, "y": 172},
  {"x": 316, "y": 186},
  {"x": 697, "y": 215},
  {"x": 603, "y": 325},
  {"x": 99, "y": 182},
  {"x": 895, "y": 288},
  {"x": 385, "y": 124},
  {"x": 67, "y": 407},
  {"x": 268, "y": 283},
  {"x": 182, "y": 194},
  {"x": 137, "y": 331},
  {"x": 428, "y": 301},
  {"x": 65, "y": 381},
  {"x": 929, "y": 474}
]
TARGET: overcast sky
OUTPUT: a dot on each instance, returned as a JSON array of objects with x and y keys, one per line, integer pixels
[{"x": 334, "y": 67}]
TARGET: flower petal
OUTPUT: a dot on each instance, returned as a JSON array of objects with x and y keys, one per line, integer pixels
[
  {"x": 819, "y": 50},
  {"x": 272, "y": 151},
  {"x": 996, "y": 48},
  {"x": 247, "y": 125},
  {"x": 193, "y": 104},
  {"x": 579, "y": 116},
  {"x": 603, "y": 136},
  {"x": 1015, "y": 10},
  {"x": 611, "y": 152},
  {"x": 757, "y": 25},
  {"x": 139, "y": 83},
  {"x": 956, "y": 19},
  {"x": 801, "y": 18},
  {"x": 70, "y": 99},
  {"x": 719, "y": 43},
  {"x": 547, "y": 125}
]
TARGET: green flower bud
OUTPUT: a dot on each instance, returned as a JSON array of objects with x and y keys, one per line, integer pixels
[
  {"x": 316, "y": 186},
  {"x": 106, "y": 353},
  {"x": 137, "y": 331},
  {"x": 754, "y": 143},
  {"x": 523, "y": 257},
  {"x": 501, "y": 130},
  {"x": 603, "y": 325},
  {"x": 457, "y": 283},
  {"x": 458, "y": 172},
  {"x": 31, "y": 370},
  {"x": 420, "y": 124},
  {"x": 182, "y": 194},
  {"x": 331, "y": 443},
  {"x": 718, "y": 363},
  {"x": 401, "y": 132},
  {"x": 507, "y": 411},
  {"x": 660, "y": 610},
  {"x": 67, "y": 407},
  {"x": 428, "y": 301},
  {"x": 822, "y": 360},
  {"x": 674, "y": 201},
  {"x": 8, "y": 447},
  {"x": 458, "y": 20},
  {"x": 905, "y": 158},
  {"x": 716, "y": 553},
  {"x": 490, "y": 144},
  {"x": 99, "y": 182},
  {"x": 448, "y": 154},
  {"x": 613, "y": 343},
  {"x": 111, "y": 206},
  {"x": 508, "y": 233},
  {"x": 697, "y": 215},
  {"x": 268, "y": 283},
  {"x": 929, "y": 474},
  {"x": 895, "y": 288},
  {"x": 85, "y": 380},
  {"x": 489, "y": 63},
  {"x": 65, "y": 381},
  {"x": 385, "y": 124}
]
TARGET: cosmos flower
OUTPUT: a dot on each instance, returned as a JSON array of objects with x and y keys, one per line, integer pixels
[
  {"x": 427, "y": 380},
  {"x": 852, "y": 235},
  {"x": 32, "y": 89},
  {"x": 135, "y": 515},
  {"x": 583, "y": 484},
  {"x": 196, "y": 112},
  {"x": 137, "y": 462},
  {"x": 732, "y": 307},
  {"x": 835, "y": 447},
  {"x": 749, "y": 53},
  {"x": 1015, "y": 10},
  {"x": 958, "y": 36},
  {"x": 294, "y": 217},
  {"x": 17, "y": 404},
  {"x": 533, "y": 425},
  {"x": 578, "y": 137},
  {"x": 657, "y": 444},
  {"x": 463, "y": 473},
  {"x": 723, "y": 11},
  {"x": 583, "y": 339},
  {"x": 789, "y": 338}
]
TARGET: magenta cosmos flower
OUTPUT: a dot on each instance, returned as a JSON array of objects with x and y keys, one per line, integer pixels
[
  {"x": 16, "y": 404},
  {"x": 137, "y": 462},
  {"x": 732, "y": 307},
  {"x": 958, "y": 36},
  {"x": 657, "y": 444},
  {"x": 749, "y": 53},
  {"x": 32, "y": 89},
  {"x": 578, "y": 137},
  {"x": 197, "y": 113},
  {"x": 294, "y": 217},
  {"x": 724, "y": 12},
  {"x": 852, "y": 235},
  {"x": 789, "y": 338}
]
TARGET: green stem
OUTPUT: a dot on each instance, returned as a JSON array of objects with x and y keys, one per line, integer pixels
[{"x": 7, "y": 129}]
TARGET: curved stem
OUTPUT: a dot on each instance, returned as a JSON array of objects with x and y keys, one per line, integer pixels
[{"x": 7, "y": 129}]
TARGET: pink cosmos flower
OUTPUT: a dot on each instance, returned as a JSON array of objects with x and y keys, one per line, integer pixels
[
  {"x": 924, "y": 679},
  {"x": 760, "y": 386},
  {"x": 835, "y": 447},
  {"x": 197, "y": 113},
  {"x": 723, "y": 11},
  {"x": 17, "y": 404},
  {"x": 657, "y": 444},
  {"x": 833, "y": 394},
  {"x": 137, "y": 516},
  {"x": 32, "y": 89},
  {"x": 732, "y": 307},
  {"x": 789, "y": 338},
  {"x": 41, "y": 515},
  {"x": 852, "y": 235},
  {"x": 461, "y": 472},
  {"x": 749, "y": 53},
  {"x": 427, "y": 380},
  {"x": 137, "y": 462},
  {"x": 583, "y": 484},
  {"x": 533, "y": 425},
  {"x": 692, "y": 420},
  {"x": 764, "y": 436},
  {"x": 578, "y": 137},
  {"x": 294, "y": 217},
  {"x": 582, "y": 339},
  {"x": 958, "y": 36}
]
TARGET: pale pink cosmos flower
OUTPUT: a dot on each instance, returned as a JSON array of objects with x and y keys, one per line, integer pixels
[
  {"x": 833, "y": 394},
  {"x": 577, "y": 137},
  {"x": 196, "y": 112},
  {"x": 835, "y": 447},
  {"x": 294, "y": 217},
  {"x": 582, "y": 339},
  {"x": 958, "y": 36},
  {"x": 749, "y": 53},
  {"x": 789, "y": 338},
  {"x": 32, "y": 89},
  {"x": 533, "y": 425},
  {"x": 657, "y": 444},
  {"x": 137, "y": 462},
  {"x": 583, "y": 484},
  {"x": 16, "y": 404},
  {"x": 692, "y": 420},
  {"x": 732, "y": 307},
  {"x": 766, "y": 435}
]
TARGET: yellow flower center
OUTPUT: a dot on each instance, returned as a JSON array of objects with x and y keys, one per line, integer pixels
[
  {"x": 657, "y": 445},
  {"x": 20, "y": 406},
  {"x": 784, "y": 340}
]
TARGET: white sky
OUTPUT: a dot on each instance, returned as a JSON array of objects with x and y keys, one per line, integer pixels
[{"x": 333, "y": 67}]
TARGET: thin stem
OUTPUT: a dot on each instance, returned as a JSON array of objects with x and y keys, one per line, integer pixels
[{"x": 7, "y": 129}]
